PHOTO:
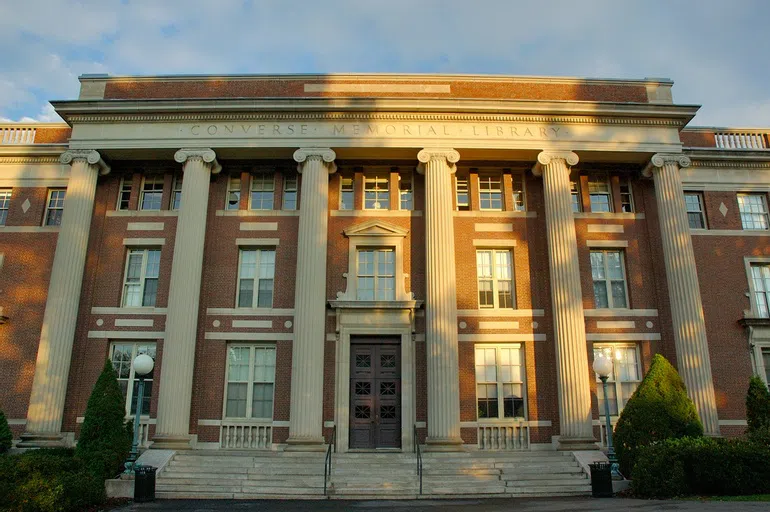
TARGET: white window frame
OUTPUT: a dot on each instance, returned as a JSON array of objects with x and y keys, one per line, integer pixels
[
  {"x": 490, "y": 193},
  {"x": 287, "y": 179},
  {"x": 375, "y": 276},
  {"x": 605, "y": 180},
  {"x": 143, "y": 277},
  {"x": 255, "y": 290},
  {"x": 230, "y": 190},
  {"x": 344, "y": 180},
  {"x": 500, "y": 395},
  {"x": 612, "y": 380},
  {"x": 763, "y": 214},
  {"x": 177, "y": 189},
  {"x": 495, "y": 278},
  {"x": 250, "y": 382},
  {"x": 381, "y": 195},
  {"x": 406, "y": 194},
  {"x": 701, "y": 211},
  {"x": 154, "y": 179},
  {"x": 269, "y": 182},
  {"x": 136, "y": 349},
  {"x": 607, "y": 280},
  {"x": 625, "y": 182},
  {"x": 576, "y": 198},
  {"x": 5, "y": 204},
  {"x": 49, "y": 208},
  {"x": 518, "y": 192},
  {"x": 758, "y": 360},
  {"x": 749, "y": 262},
  {"x": 462, "y": 186},
  {"x": 126, "y": 185}
]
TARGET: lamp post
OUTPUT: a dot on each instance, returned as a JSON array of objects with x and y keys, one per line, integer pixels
[
  {"x": 603, "y": 368},
  {"x": 143, "y": 365}
]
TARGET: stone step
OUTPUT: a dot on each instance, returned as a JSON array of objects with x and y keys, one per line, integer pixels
[
  {"x": 273, "y": 482},
  {"x": 252, "y": 490},
  {"x": 430, "y": 477},
  {"x": 469, "y": 490},
  {"x": 546, "y": 482},
  {"x": 551, "y": 490},
  {"x": 526, "y": 467},
  {"x": 575, "y": 473}
]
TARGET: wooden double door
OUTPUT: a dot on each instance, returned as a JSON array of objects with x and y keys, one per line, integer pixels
[{"x": 375, "y": 393}]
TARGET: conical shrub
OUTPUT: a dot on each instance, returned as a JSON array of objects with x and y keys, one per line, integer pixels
[
  {"x": 6, "y": 436},
  {"x": 757, "y": 405}
]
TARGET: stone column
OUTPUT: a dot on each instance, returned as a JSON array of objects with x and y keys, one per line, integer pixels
[
  {"x": 438, "y": 165},
  {"x": 49, "y": 387},
  {"x": 176, "y": 377},
  {"x": 692, "y": 352},
  {"x": 576, "y": 432},
  {"x": 307, "y": 362}
]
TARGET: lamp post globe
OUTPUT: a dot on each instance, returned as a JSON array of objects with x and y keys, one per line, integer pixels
[
  {"x": 143, "y": 364},
  {"x": 603, "y": 366}
]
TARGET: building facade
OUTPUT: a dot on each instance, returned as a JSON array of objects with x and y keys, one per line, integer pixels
[{"x": 380, "y": 254}]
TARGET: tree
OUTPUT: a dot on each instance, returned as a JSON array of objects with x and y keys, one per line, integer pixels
[
  {"x": 757, "y": 405},
  {"x": 6, "y": 436},
  {"x": 659, "y": 409},
  {"x": 105, "y": 439}
]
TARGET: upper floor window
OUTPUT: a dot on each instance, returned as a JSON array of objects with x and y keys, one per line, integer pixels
[
  {"x": 5, "y": 203},
  {"x": 694, "y": 204},
  {"x": 262, "y": 191},
  {"x": 500, "y": 381},
  {"x": 463, "y": 196},
  {"x": 233, "y": 193},
  {"x": 599, "y": 192},
  {"x": 124, "y": 196},
  {"x": 624, "y": 379},
  {"x": 405, "y": 192},
  {"x": 517, "y": 183},
  {"x": 376, "y": 274},
  {"x": 346, "y": 193},
  {"x": 760, "y": 288},
  {"x": 55, "y": 207},
  {"x": 753, "y": 208},
  {"x": 626, "y": 197},
  {"x": 290, "y": 192},
  {"x": 122, "y": 356},
  {"x": 609, "y": 277},
  {"x": 256, "y": 271},
  {"x": 574, "y": 190},
  {"x": 765, "y": 353},
  {"x": 152, "y": 193},
  {"x": 140, "y": 284},
  {"x": 176, "y": 194},
  {"x": 377, "y": 192},
  {"x": 490, "y": 192},
  {"x": 494, "y": 272},
  {"x": 250, "y": 381}
]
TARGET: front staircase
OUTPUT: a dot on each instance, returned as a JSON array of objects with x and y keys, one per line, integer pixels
[{"x": 220, "y": 474}]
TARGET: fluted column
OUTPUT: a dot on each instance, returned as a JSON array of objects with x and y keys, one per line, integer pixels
[
  {"x": 49, "y": 387},
  {"x": 306, "y": 412},
  {"x": 692, "y": 354},
  {"x": 576, "y": 430},
  {"x": 176, "y": 377},
  {"x": 438, "y": 165}
]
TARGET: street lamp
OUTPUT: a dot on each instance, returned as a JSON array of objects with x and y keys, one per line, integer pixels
[
  {"x": 143, "y": 365},
  {"x": 603, "y": 368}
]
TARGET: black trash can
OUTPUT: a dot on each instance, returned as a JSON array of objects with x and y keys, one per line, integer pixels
[
  {"x": 601, "y": 479},
  {"x": 144, "y": 484}
]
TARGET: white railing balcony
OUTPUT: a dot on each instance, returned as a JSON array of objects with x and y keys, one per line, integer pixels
[
  {"x": 603, "y": 430},
  {"x": 741, "y": 140},
  {"x": 503, "y": 436},
  {"x": 144, "y": 433},
  {"x": 17, "y": 134},
  {"x": 246, "y": 435}
]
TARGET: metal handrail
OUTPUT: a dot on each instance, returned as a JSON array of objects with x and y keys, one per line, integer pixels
[
  {"x": 328, "y": 459},
  {"x": 419, "y": 456}
]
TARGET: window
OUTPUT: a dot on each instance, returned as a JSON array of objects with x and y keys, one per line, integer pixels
[
  {"x": 624, "y": 379},
  {"x": 262, "y": 191},
  {"x": 233, "y": 193},
  {"x": 609, "y": 279},
  {"x": 694, "y": 203},
  {"x": 124, "y": 196},
  {"x": 376, "y": 192},
  {"x": 599, "y": 193},
  {"x": 500, "y": 381},
  {"x": 152, "y": 193},
  {"x": 753, "y": 208},
  {"x": 176, "y": 194},
  {"x": 5, "y": 202},
  {"x": 517, "y": 182},
  {"x": 760, "y": 289},
  {"x": 574, "y": 190},
  {"x": 140, "y": 285},
  {"x": 626, "y": 197},
  {"x": 122, "y": 356},
  {"x": 495, "y": 278},
  {"x": 256, "y": 270},
  {"x": 376, "y": 274},
  {"x": 766, "y": 363},
  {"x": 55, "y": 207},
  {"x": 250, "y": 381},
  {"x": 490, "y": 192},
  {"x": 346, "y": 193},
  {"x": 290, "y": 192},
  {"x": 461, "y": 189},
  {"x": 405, "y": 191}
]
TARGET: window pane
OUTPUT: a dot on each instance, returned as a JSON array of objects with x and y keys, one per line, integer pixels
[
  {"x": 766, "y": 362},
  {"x": 600, "y": 294},
  {"x": 150, "y": 292},
  {"x": 246, "y": 293},
  {"x": 490, "y": 193},
  {"x": 619, "y": 294},
  {"x": 236, "y": 400},
  {"x": 265, "y": 293},
  {"x": 462, "y": 193},
  {"x": 262, "y": 401},
  {"x": 346, "y": 194}
]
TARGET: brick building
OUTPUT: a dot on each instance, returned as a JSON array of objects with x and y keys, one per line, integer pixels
[{"x": 375, "y": 253}]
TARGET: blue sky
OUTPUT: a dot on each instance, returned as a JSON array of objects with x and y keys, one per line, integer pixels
[{"x": 716, "y": 51}]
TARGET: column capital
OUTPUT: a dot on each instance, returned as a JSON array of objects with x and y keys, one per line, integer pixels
[
  {"x": 546, "y": 157},
  {"x": 207, "y": 155},
  {"x": 326, "y": 155},
  {"x": 451, "y": 156},
  {"x": 658, "y": 160},
  {"x": 89, "y": 155}
]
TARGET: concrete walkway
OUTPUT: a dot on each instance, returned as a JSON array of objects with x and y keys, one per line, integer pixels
[{"x": 485, "y": 505}]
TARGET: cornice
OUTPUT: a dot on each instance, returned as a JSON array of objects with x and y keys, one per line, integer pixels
[
  {"x": 29, "y": 160},
  {"x": 730, "y": 164}
]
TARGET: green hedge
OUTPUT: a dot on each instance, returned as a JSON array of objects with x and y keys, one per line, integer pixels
[
  {"x": 6, "y": 436},
  {"x": 703, "y": 467},
  {"x": 48, "y": 480},
  {"x": 757, "y": 405}
]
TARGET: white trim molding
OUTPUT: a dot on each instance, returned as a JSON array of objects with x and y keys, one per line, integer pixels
[
  {"x": 605, "y": 228},
  {"x": 127, "y": 335},
  {"x": 257, "y": 242},
  {"x": 249, "y": 336},
  {"x": 607, "y": 243},
  {"x": 516, "y": 313},
  {"x": 623, "y": 336},
  {"x": 619, "y": 312},
  {"x": 501, "y": 338},
  {"x": 489, "y": 242},
  {"x": 250, "y": 312},
  {"x": 152, "y": 242}
]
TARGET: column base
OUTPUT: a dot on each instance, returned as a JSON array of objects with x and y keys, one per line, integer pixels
[
  {"x": 171, "y": 442},
  {"x": 576, "y": 444},
  {"x": 306, "y": 444},
  {"x": 43, "y": 440},
  {"x": 444, "y": 444}
]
